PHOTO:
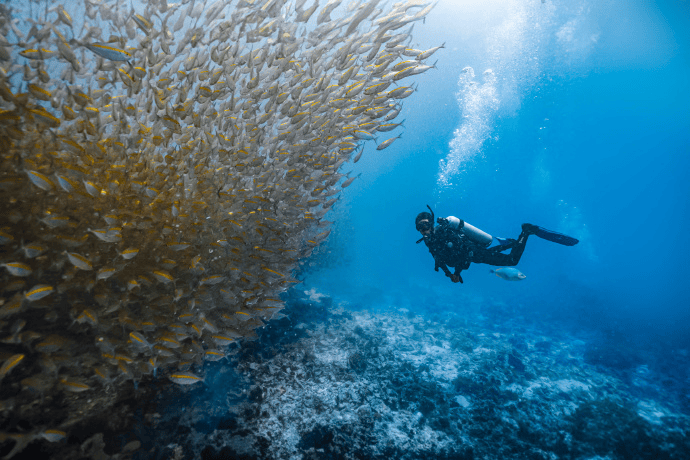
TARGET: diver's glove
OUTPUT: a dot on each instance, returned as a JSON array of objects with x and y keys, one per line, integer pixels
[{"x": 456, "y": 278}]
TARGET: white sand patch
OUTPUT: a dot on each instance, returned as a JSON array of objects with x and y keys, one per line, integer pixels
[
  {"x": 652, "y": 411},
  {"x": 313, "y": 295},
  {"x": 544, "y": 385},
  {"x": 463, "y": 401}
]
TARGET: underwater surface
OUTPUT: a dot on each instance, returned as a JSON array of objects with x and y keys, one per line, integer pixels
[{"x": 568, "y": 115}]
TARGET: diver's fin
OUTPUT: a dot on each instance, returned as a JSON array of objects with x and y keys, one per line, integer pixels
[{"x": 555, "y": 237}]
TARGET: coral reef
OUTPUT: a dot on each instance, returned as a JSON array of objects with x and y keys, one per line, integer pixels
[{"x": 390, "y": 384}]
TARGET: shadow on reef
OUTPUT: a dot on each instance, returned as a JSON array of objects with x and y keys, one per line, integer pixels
[
  {"x": 614, "y": 350},
  {"x": 607, "y": 428},
  {"x": 642, "y": 362}
]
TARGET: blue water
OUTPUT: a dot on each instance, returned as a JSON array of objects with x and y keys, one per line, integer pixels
[{"x": 582, "y": 126}]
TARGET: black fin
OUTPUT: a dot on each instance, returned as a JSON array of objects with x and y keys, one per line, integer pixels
[{"x": 555, "y": 237}]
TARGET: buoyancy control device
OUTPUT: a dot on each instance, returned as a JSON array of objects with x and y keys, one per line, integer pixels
[{"x": 472, "y": 233}]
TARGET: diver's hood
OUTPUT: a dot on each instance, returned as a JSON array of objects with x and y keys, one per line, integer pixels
[{"x": 431, "y": 221}]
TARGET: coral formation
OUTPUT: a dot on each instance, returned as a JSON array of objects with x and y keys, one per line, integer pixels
[{"x": 429, "y": 390}]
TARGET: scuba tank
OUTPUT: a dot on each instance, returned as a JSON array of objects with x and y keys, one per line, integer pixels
[
  {"x": 475, "y": 235},
  {"x": 472, "y": 233}
]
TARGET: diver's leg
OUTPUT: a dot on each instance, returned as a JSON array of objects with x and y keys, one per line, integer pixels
[
  {"x": 519, "y": 248},
  {"x": 498, "y": 259},
  {"x": 504, "y": 245},
  {"x": 504, "y": 260}
]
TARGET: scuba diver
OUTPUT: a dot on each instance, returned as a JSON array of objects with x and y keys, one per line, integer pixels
[{"x": 455, "y": 243}]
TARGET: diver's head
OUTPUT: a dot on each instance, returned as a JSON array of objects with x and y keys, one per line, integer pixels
[{"x": 424, "y": 223}]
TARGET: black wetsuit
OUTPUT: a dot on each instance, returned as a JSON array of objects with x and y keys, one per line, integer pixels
[{"x": 451, "y": 248}]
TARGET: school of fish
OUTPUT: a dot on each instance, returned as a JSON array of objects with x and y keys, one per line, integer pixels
[{"x": 163, "y": 170}]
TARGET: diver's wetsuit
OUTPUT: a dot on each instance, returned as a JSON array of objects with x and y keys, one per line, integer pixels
[{"x": 450, "y": 248}]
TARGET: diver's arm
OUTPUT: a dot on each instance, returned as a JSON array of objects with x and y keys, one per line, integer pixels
[
  {"x": 442, "y": 266},
  {"x": 455, "y": 277}
]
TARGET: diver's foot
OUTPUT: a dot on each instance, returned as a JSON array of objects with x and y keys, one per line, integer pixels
[{"x": 530, "y": 229}]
